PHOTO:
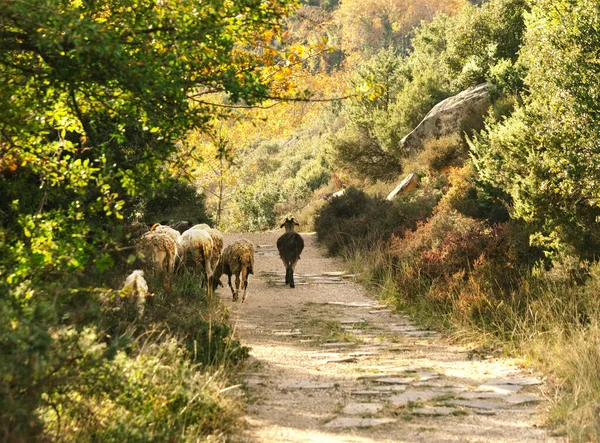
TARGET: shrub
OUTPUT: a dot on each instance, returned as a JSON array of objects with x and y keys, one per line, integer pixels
[
  {"x": 481, "y": 36},
  {"x": 468, "y": 196},
  {"x": 461, "y": 266},
  {"x": 174, "y": 200},
  {"x": 351, "y": 217},
  {"x": 152, "y": 394},
  {"x": 364, "y": 155},
  {"x": 446, "y": 152},
  {"x": 256, "y": 204},
  {"x": 545, "y": 154},
  {"x": 358, "y": 220}
]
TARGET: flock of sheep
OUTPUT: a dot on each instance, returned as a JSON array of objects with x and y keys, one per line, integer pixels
[{"x": 164, "y": 250}]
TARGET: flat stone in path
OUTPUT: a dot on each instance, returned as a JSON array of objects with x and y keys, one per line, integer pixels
[
  {"x": 478, "y": 404},
  {"x": 362, "y": 408},
  {"x": 412, "y": 396},
  {"x": 438, "y": 382},
  {"x": 388, "y": 369},
  {"x": 351, "y": 422},
  {"x": 527, "y": 381},
  {"x": 439, "y": 410},
  {"x": 306, "y": 384},
  {"x": 328, "y": 282},
  {"x": 500, "y": 389},
  {"x": 374, "y": 376},
  {"x": 369, "y": 393},
  {"x": 354, "y": 304},
  {"x": 391, "y": 388},
  {"x": 404, "y": 328},
  {"x": 521, "y": 399},
  {"x": 395, "y": 380},
  {"x": 325, "y": 355},
  {"x": 426, "y": 376},
  {"x": 482, "y": 395},
  {"x": 484, "y": 412},
  {"x": 340, "y": 344},
  {"x": 342, "y": 360}
]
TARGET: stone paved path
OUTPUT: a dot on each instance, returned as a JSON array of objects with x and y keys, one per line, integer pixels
[{"x": 333, "y": 365}]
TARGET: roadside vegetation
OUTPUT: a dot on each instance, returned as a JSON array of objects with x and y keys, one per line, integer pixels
[
  {"x": 499, "y": 241},
  {"x": 97, "y": 100},
  {"x": 240, "y": 113}
]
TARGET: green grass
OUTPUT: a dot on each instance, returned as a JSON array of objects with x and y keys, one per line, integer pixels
[{"x": 168, "y": 384}]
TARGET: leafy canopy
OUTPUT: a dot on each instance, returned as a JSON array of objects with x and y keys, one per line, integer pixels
[
  {"x": 546, "y": 154},
  {"x": 94, "y": 96}
]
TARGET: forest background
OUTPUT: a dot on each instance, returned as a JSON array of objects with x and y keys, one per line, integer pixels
[{"x": 239, "y": 113}]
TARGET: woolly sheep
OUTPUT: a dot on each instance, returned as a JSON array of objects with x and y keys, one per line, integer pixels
[
  {"x": 174, "y": 234},
  {"x": 238, "y": 259},
  {"x": 290, "y": 246},
  {"x": 201, "y": 247},
  {"x": 179, "y": 225},
  {"x": 136, "y": 288},
  {"x": 215, "y": 234},
  {"x": 158, "y": 250}
]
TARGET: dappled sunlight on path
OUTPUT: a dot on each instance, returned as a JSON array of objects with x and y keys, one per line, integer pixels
[{"x": 330, "y": 364}]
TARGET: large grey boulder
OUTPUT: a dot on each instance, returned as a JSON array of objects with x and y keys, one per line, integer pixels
[{"x": 462, "y": 112}]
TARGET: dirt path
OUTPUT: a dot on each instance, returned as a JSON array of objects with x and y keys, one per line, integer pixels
[{"x": 333, "y": 365}]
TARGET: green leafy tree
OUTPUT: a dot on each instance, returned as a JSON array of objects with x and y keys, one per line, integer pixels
[
  {"x": 396, "y": 98},
  {"x": 256, "y": 204},
  {"x": 93, "y": 98},
  {"x": 481, "y": 37},
  {"x": 546, "y": 154}
]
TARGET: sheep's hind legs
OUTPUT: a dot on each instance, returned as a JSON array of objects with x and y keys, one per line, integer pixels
[
  {"x": 244, "y": 283},
  {"x": 234, "y": 293},
  {"x": 237, "y": 287}
]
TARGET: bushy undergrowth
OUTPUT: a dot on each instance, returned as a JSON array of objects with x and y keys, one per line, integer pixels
[
  {"x": 456, "y": 268},
  {"x": 357, "y": 219},
  {"x": 141, "y": 369},
  {"x": 155, "y": 393},
  {"x": 443, "y": 153},
  {"x": 175, "y": 200}
]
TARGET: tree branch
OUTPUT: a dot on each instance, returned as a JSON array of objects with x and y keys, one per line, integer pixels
[{"x": 279, "y": 100}]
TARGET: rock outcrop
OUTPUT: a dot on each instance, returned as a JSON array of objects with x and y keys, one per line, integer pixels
[
  {"x": 454, "y": 115},
  {"x": 408, "y": 184},
  {"x": 331, "y": 195}
]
